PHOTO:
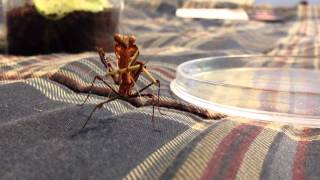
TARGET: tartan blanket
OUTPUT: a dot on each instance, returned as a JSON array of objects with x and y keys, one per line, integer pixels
[{"x": 40, "y": 122}]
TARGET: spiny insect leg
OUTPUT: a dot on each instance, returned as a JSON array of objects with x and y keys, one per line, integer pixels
[
  {"x": 106, "y": 61},
  {"x": 153, "y": 104},
  {"x": 146, "y": 87},
  {"x": 159, "y": 87},
  {"x": 92, "y": 84},
  {"x": 153, "y": 124},
  {"x": 137, "y": 74},
  {"x": 99, "y": 106},
  {"x": 141, "y": 90}
]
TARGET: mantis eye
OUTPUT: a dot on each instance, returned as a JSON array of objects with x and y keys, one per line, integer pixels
[
  {"x": 117, "y": 38},
  {"x": 132, "y": 39}
]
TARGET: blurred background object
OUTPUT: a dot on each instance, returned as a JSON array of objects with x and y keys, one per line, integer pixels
[
  {"x": 286, "y": 2},
  {"x": 43, "y": 27},
  {"x": 32, "y": 32},
  {"x": 217, "y": 9},
  {"x": 2, "y": 29},
  {"x": 266, "y": 15},
  {"x": 259, "y": 10},
  {"x": 304, "y": 3},
  {"x": 302, "y": 9}
]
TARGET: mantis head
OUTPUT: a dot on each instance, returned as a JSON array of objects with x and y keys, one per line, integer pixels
[{"x": 125, "y": 40}]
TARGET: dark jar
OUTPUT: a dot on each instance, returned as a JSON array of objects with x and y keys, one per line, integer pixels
[{"x": 43, "y": 27}]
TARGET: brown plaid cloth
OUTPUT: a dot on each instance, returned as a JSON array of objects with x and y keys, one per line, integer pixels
[{"x": 36, "y": 106}]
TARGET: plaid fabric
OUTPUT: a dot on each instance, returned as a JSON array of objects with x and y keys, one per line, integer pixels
[
  {"x": 16, "y": 67},
  {"x": 40, "y": 122}
]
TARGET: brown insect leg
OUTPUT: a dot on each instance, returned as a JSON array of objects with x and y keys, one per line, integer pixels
[
  {"x": 153, "y": 104},
  {"x": 146, "y": 87},
  {"x": 135, "y": 75},
  {"x": 101, "y": 79},
  {"x": 153, "y": 124},
  {"x": 99, "y": 106},
  {"x": 159, "y": 98},
  {"x": 141, "y": 90},
  {"x": 103, "y": 58},
  {"x": 106, "y": 62}
]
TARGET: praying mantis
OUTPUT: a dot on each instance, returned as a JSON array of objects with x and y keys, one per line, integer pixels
[{"x": 125, "y": 75}]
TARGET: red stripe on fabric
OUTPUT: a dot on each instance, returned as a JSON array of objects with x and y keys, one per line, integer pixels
[
  {"x": 216, "y": 158},
  {"x": 243, "y": 148},
  {"x": 298, "y": 164}
]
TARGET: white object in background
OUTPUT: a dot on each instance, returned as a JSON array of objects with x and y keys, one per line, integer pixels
[{"x": 223, "y": 14}]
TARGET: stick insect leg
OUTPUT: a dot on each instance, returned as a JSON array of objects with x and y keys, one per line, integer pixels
[
  {"x": 153, "y": 124},
  {"x": 159, "y": 86},
  {"x": 158, "y": 82},
  {"x": 153, "y": 104},
  {"x": 92, "y": 84},
  {"x": 99, "y": 106},
  {"x": 146, "y": 87},
  {"x": 141, "y": 90},
  {"x": 106, "y": 61}
]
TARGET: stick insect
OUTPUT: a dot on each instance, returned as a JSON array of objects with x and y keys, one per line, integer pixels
[{"x": 126, "y": 75}]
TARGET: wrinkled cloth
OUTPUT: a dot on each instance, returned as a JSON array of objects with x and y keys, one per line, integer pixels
[{"x": 40, "y": 120}]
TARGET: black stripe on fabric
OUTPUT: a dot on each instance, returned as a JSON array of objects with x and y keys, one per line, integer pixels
[
  {"x": 266, "y": 167},
  {"x": 6, "y": 68},
  {"x": 168, "y": 41},
  {"x": 29, "y": 62},
  {"x": 148, "y": 42}
]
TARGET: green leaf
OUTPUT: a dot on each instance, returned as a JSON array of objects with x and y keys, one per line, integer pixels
[{"x": 60, "y": 8}]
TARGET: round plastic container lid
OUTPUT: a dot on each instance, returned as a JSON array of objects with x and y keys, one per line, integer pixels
[{"x": 279, "y": 89}]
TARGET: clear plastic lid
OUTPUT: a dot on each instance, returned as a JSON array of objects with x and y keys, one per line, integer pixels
[{"x": 280, "y": 89}]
